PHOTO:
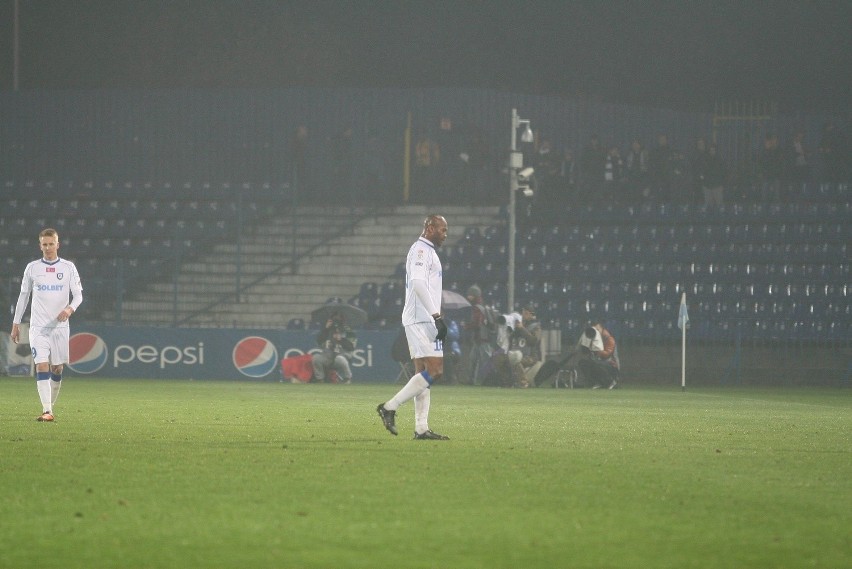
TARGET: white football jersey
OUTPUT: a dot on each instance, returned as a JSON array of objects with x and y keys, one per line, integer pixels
[
  {"x": 53, "y": 285},
  {"x": 422, "y": 264}
]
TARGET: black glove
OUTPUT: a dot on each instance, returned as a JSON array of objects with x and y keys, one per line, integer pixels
[{"x": 442, "y": 328}]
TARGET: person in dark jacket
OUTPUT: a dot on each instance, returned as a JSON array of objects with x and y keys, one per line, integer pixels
[
  {"x": 602, "y": 366},
  {"x": 712, "y": 176},
  {"x": 338, "y": 346}
]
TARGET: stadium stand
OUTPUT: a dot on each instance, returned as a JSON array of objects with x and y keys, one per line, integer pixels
[
  {"x": 147, "y": 232},
  {"x": 121, "y": 241},
  {"x": 762, "y": 271},
  {"x": 757, "y": 271}
]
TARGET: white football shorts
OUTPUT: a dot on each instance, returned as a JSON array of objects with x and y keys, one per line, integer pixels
[
  {"x": 50, "y": 345},
  {"x": 422, "y": 342}
]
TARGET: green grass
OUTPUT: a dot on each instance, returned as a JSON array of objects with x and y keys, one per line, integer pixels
[{"x": 226, "y": 474}]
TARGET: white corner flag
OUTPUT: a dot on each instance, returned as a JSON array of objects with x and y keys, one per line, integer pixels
[
  {"x": 682, "y": 315},
  {"x": 683, "y": 324}
]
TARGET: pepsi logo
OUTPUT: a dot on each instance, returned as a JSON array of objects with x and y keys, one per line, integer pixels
[
  {"x": 88, "y": 354},
  {"x": 255, "y": 356}
]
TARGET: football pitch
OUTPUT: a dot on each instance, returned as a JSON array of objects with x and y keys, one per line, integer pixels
[{"x": 163, "y": 474}]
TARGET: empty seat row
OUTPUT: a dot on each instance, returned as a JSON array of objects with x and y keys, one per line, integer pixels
[
  {"x": 71, "y": 229},
  {"x": 126, "y": 190},
  {"x": 132, "y": 209},
  {"x": 820, "y": 202},
  {"x": 634, "y": 251},
  {"x": 383, "y": 301},
  {"x": 710, "y": 273},
  {"x": 817, "y": 231},
  {"x": 25, "y": 249}
]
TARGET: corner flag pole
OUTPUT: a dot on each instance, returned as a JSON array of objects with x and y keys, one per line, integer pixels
[{"x": 683, "y": 323}]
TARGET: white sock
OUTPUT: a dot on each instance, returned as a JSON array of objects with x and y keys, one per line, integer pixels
[
  {"x": 43, "y": 386},
  {"x": 421, "y": 411},
  {"x": 55, "y": 386},
  {"x": 415, "y": 386}
]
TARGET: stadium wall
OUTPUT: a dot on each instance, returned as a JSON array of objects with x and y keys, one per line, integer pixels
[
  {"x": 255, "y": 355},
  {"x": 725, "y": 364},
  {"x": 229, "y": 354}
]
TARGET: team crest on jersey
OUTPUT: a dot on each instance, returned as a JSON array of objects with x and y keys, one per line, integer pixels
[{"x": 59, "y": 276}]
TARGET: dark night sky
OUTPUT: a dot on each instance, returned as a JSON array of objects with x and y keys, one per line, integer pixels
[{"x": 681, "y": 54}]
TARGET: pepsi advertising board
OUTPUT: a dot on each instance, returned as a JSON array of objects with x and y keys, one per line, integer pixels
[{"x": 202, "y": 353}]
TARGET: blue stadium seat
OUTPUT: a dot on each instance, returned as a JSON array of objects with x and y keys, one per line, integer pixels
[
  {"x": 215, "y": 209},
  {"x": 399, "y": 271},
  {"x": 99, "y": 226},
  {"x": 530, "y": 236},
  {"x": 111, "y": 209},
  {"x": 131, "y": 209},
  {"x": 369, "y": 291},
  {"x": 169, "y": 209},
  {"x": 493, "y": 234},
  {"x": 391, "y": 291},
  {"x": 472, "y": 236}
]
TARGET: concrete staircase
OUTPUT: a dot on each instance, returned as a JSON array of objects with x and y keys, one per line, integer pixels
[{"x": 339, "y": 249}]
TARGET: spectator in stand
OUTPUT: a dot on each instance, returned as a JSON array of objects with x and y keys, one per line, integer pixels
[
  {"x": 477, "y": 158},
  {"x": 567, "y": 177},
  {"x": 375, "y": 180},
  {"x": 299, "y": 155},
  {"x": 602, "y": 366},
  {"x": 546, "y": 167},
  {"x": 592, "y": 172},
  {"x": 681, "y": 184},
  {"x": 771, "y": 168},
  {"x": 427, "y": 153},
  {"x": 636, "y": 171},
  {"x": 660, "y": 170},
  {"x": 800, "y": 164},
  {"x": 337, "y": 341},
  {"x": 712, "y": 176},
  {"x": 834, "y": 151},
  {"x": 341, "y": 150},
  {"x": 696, "y": 163},
  {"x": 614, "y": 180}
]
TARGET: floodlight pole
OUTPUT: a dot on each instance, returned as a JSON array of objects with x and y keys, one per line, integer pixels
[{"x": 516, "y": 162}]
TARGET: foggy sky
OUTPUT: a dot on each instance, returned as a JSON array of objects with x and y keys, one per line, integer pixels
[{"x": 680, "y": 54}]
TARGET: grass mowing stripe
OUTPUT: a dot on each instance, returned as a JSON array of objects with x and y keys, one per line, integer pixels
[{"x": 227, "y": 474}]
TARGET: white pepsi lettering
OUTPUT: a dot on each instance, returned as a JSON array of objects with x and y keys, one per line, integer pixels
[
  {"x": 146, "y": 354},
  {"x": 166, "y": 356},
  {"x": 118, "y": 356},
  {"x": 360, "y": 358},
  {"x": 170, "y": 355},
  {"x": 192, "y": 358},
  {"x": 293, "y": 353}
]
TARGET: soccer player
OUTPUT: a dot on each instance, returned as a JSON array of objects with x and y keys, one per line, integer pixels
[
  {"x": 425, "y": 329},
  {"x": 57, "y": 293}
]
